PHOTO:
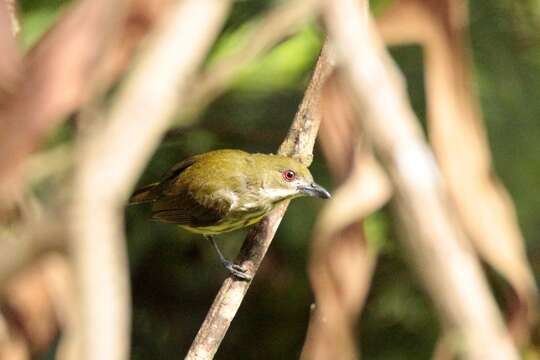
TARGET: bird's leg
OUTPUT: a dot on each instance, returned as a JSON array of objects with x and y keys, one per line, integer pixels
[{"x": 234, "y": 269}]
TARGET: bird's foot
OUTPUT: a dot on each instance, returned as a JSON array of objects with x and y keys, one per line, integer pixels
[{"x": 237, "y": 270}]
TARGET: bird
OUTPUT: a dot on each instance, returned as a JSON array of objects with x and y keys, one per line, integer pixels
[{"x": 225, "y": 190}]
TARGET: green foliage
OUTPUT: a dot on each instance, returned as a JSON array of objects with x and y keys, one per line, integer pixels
[
  {"x": 508, "y": 76},
  {"x": 284, "y": 66},
  {"x": 38, "y": 17},
  {"x": 378, "y": 6}
]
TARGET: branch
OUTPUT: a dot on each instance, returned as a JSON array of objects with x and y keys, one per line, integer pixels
[
  {"x": 298, "y": 144},
  {"x": 110, "y": 159},
  {"x": 448, "y": 266}
]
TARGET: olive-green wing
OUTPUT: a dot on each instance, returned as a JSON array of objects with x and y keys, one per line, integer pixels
[
  {"x": 145, "y": 194},
  {"x": 178, "y": 168},
  {"x": 174, "y": 203},
  {"x": 153, "y": 192},
  {"x": 183, "y": 209}
]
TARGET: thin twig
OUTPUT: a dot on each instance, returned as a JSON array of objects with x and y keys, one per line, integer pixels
[
  {"x": 112, "y": 157},
  {"x": 299, "y": 144},
  {"x": 448, "y": 266}
]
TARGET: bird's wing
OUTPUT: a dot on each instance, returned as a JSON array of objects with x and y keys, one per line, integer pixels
[
  {"x": 154, "y": 191},
  {"x": 183, "y": 209},
  {"x": 145, "y": 194},
  {"x": 193, "y": 203},
  {"x": 177, "y": 168}
]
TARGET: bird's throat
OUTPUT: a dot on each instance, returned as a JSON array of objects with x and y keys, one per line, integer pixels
[{"x": 275, "y": 195}]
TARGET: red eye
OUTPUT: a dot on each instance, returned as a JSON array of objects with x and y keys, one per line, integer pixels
[{"x": 289, "y": 175}]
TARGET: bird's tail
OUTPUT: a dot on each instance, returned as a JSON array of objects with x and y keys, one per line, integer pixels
[{"x": 145, "y": 194}]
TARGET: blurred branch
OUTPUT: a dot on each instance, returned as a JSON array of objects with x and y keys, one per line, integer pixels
[
  {"x": 140, "y": 19},
  {"x": 342, "y": 262},
  {"x": 28, "y": 307},
  {"x": 12, "y": 343},
  {"x": 58, "y": 274},
  {"x": 19, "y": 251},
  {"x": 448, "y": 266},
  {"x": 49, "y": 163},
  {"x": 267, "y": 32},
  {"x": 111, "y": 157},
  {"x": 56, "y": 77},
  {"x": 298, "y": 144},
  {"x": 26, "y": 239},
  {"x": 12, "y": 10},
  {"x": 459, "y": 139},
  {"x": 10, "y": 59}
]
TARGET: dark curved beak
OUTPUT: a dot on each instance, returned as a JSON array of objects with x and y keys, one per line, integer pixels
[{"x": 315, "y": 190}]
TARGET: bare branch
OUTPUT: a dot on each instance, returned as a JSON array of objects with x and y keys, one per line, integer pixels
[
  {"x": 299, "y": 144},
  {"x": 112, "y": 157},
  {"x": 449, "y": 268}
]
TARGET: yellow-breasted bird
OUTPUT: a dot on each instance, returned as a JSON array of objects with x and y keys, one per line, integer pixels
[{"x": 225, "y": 190}]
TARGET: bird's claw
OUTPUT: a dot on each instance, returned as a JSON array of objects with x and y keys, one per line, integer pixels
[{"x": 237, "y": 270}]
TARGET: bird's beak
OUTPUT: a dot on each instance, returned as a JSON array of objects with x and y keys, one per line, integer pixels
[{"x": 315, "y": 190}]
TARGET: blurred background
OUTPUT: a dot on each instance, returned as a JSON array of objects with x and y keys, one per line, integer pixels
[{"x": 175, "y": 275}]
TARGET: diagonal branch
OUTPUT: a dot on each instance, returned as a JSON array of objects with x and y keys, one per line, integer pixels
[{"x": 298, "y": 144}]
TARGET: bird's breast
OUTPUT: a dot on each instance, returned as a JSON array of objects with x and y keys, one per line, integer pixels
[
  {"x": 245, "y": 208},
  {"x": 234, "y": 220}
]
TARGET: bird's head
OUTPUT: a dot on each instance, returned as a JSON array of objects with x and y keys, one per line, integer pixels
[{"x": 285, "y": 178}]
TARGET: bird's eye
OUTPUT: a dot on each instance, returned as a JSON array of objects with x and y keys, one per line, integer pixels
[{"x": 289, "y": 175}]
